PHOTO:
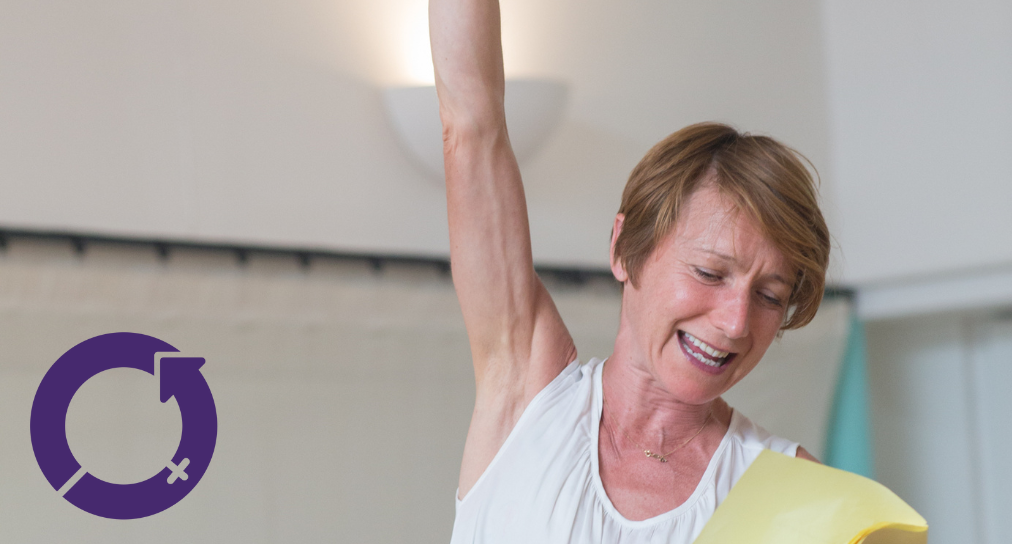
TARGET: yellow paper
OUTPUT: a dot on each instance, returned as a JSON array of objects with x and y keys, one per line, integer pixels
[{"x": 783, "y": 500}]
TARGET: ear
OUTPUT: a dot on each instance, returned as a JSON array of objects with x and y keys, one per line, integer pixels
[{"x": 617, "y": 268}]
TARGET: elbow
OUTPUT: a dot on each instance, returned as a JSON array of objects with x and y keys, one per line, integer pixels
[
  {"x": 469, "y": 116},
  {"x": 803, "y": 454},
  {"x": 467, "y": 135},
  {"x": 471, "y": 124}
]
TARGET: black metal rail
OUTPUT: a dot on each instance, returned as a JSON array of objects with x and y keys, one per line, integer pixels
[{"x": 164, "y": 247}]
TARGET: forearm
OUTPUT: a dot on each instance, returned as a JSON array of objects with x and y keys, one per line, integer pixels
[{"x": 467, "y": 56}]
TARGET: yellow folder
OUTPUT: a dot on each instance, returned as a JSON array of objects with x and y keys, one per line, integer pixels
[{"x": 783, "y": 500}]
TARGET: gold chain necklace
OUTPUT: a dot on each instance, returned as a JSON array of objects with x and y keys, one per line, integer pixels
[{"x": 662, "y": 458}]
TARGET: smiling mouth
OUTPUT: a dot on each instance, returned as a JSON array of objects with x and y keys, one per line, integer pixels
[{"x": 703, "y": 352}]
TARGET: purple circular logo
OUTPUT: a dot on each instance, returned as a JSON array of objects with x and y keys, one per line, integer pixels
[{"x": 178, "y": 377}]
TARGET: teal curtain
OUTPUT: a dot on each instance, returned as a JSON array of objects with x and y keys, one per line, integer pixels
[{"x": 849, "y": 435}]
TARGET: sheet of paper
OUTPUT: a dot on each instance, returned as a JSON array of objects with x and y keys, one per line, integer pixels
[{"x": 784, "y": 500}]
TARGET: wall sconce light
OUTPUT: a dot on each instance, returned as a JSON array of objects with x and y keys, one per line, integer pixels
[{"x": 533, "y": 109}]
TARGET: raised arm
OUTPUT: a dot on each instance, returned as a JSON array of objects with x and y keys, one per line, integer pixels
[{"x": 518, "y": 341}]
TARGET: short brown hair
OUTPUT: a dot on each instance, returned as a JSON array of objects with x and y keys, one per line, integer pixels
[{"x": 764, "y": 178}]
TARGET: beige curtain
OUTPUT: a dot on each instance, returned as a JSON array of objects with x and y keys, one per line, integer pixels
[{"x": 343, "y": 392}]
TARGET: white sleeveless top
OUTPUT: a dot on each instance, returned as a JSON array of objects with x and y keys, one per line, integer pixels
[{"x": 544, "y": 484}]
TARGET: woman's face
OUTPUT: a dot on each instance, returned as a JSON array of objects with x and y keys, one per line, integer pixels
[{"x": 710, "y": 300}]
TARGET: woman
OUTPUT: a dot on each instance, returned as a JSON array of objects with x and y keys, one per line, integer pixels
[{"x": 719, "y": 245}]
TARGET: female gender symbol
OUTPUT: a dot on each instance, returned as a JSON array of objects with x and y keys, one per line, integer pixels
[{"x": 179, "y": 377}]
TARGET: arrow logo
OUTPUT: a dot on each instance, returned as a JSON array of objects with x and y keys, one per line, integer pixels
[{"x": 180, "y": 377}]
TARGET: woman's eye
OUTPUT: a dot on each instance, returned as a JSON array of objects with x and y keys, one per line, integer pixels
[
  {"x": 771, "y": 299},
  {"x": 707, "y": 275}
]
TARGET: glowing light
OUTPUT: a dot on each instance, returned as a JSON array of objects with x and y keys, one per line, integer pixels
[
  {"x": 523, "y": 46},
  {"x": 414, "y": 38}
]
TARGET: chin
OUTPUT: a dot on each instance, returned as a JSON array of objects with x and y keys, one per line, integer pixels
[
  {"x": 694, "y": 391},
  {"x": 693, "y": 385}
]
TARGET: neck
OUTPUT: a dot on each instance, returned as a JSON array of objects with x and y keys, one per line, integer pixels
[{"x": 645, "y": 412}]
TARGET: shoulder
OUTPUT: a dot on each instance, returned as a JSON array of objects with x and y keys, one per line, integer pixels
[
  {"x": 494, "y": 430},
  {"x": 751, "y": 435}
]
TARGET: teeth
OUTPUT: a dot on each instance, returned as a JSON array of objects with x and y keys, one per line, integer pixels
[
  {"x": 705, "y": 360},
  {"x": 706, "y": 347}
]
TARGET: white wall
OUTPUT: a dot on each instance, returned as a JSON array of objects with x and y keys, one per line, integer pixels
[
  {"x": 920, "y": 110},
  {"x": 919, "y": 100},
  {"x": 940, "y": 405},
  {"x": 991, "y": 364},
  {"x": 261, "y": 121}
]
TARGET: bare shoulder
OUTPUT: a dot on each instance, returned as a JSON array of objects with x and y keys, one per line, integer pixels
[{"x": 803, "y": 454}]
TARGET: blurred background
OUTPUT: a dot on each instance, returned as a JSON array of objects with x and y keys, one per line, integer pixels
[{"x": 232, "y": 178}]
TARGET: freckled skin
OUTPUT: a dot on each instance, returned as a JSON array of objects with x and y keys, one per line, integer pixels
[
  {"x": 716, "y": 277},
  {"x": 733, "y": 312}
]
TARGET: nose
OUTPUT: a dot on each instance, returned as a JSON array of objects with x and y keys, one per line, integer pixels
[{"x": 731, "y": 315}]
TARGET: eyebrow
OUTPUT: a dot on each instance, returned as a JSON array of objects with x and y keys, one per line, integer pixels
[{"x": 729, "y": 258}]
